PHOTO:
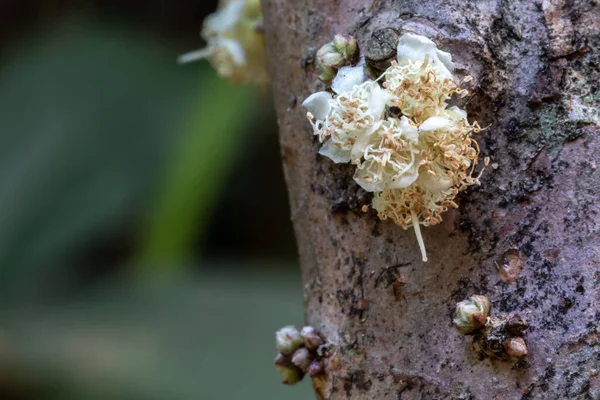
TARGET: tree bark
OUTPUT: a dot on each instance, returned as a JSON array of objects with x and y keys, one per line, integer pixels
[{"x": 527, "y": 238}]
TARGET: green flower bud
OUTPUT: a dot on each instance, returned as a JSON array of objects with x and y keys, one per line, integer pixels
[
  {"x": 327, "y": 73},
  {"x": 346, "y": 45},
  {"x": 343, "y": 50},
  {"x": 290, "y": 374},
  {"x": 329, "y": 56},
  {"x": 472, "y": 314},
  {"x": 288, "y": 339}
]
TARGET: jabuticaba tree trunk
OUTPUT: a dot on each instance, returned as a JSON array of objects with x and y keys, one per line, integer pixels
[{"x": 527, "y": 238}]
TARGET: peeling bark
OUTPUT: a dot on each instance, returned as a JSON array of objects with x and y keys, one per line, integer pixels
[{"x": 527, "y": 238}]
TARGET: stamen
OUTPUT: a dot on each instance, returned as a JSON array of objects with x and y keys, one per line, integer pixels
[{"x": 415, "y": 222}]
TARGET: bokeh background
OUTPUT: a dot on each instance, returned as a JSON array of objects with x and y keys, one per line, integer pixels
[{"x": 146, "y": 250}]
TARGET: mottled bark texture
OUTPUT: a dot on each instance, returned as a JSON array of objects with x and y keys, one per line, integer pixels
[{"x": 528, "y": 237}]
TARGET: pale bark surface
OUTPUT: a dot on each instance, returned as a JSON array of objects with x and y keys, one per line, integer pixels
[{"x": 535, "y": 218}]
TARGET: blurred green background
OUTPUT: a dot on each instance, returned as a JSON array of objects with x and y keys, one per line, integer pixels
[{"x": 146, "y": 250}]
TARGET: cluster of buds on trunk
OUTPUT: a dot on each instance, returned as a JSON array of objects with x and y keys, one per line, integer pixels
[
  {"x": 501, "y": 337},
  {"x": 343, "y": 50},
  {"x": 300, "y": 353}
]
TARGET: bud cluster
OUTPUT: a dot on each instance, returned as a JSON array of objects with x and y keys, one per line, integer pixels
[
  {"x": 343, "y": 50},
  {"x": 501, "y": 337},
  {"x": 300, "y": 353}
]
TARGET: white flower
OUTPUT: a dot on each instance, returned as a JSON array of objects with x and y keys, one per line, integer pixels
[
  {"x": 417, "y": 48},
  {"x": 415, "y": 164},
  {"x": 235, "y": 47},
  {"x": 345, "y": 120},
  {"x": 390, "y": 157}
]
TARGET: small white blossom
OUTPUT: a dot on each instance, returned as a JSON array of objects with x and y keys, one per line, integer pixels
[
  {"x": 235, "y": 45},
  {"x": 348, "y": 117},
  {"x": 417, "y": 48}
]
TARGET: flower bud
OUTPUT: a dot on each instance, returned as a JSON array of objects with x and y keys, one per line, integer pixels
[
  {"x": 516, "y": 325},
  {"x": 343, "y": 50},
  {"x": 315, "y": 368},
  {"x": 312, "y": 340},
  {"x": 472, "y": 314},
  {"x": 515, "y": 347},
  {"x": 329, "y": 56},
  {"x": 346, "y": 45},
  {"x": 288, "y": 339},
  {"x": 327, "y": 73},
  {"x": 290, "y": 374},
  {"x": 302, "y": 358}
]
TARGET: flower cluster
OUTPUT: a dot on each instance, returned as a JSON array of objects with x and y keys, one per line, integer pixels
[
  {"x": 413, "y": 151},
  {"x": 235, "y": 42}
]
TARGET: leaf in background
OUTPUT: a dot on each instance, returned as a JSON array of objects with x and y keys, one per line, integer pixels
[
  {"x": 207, "y": 152},
  {"x": 86, "y": 118}
]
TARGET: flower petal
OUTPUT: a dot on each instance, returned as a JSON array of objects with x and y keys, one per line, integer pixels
[
  {"x": 318, "y": 105},
  {"x": 406, "y": 179},
  {"x": 410, "y": 132},
  {"x": 235, "y": 49},
  {"x": 434, "y": 123},
  {"x": 413, "y": 47},
  {"x": 334, "y": 153},
  {"x": 362, "y": 140},
  {"x": 226, "y": 18},
  {"x": 457, "y": 113},
  {"x": 347, "y": 78},
  {"x": 379, "y": 98},
  {"x": 446, "y": 59},
  {"x": 366, "y": 182},
  {"x": 435, "y": 184}
]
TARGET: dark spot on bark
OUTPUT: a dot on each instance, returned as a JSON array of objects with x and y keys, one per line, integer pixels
[
  {"x": 521, "y": 364},
  {"x": 513, "y": 129},
  {"x": 309, "y": 58},
  {"x": 376, "y": 232},
  {"x": 549, "y": 82},
  {"x": 549, "y": 374},
  {"x": 516, "y": 326},
  {"x": 340, "y": 206},
  {"x": 379, "y": 376},
  {"x": 357, "y": 378},
  {"x": 528, "y": 392},
  {"x": 348, "y": 388}
]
